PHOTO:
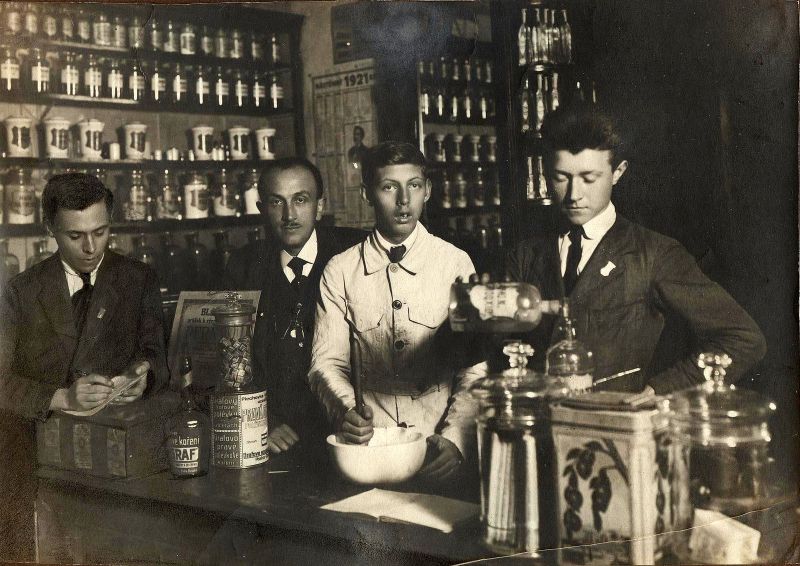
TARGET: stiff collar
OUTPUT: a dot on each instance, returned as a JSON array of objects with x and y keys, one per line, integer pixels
[
  {"x": 374, "y": 252},
  {"x": 597, "y": 227},
  {"x": 308, "y": 252},
  {"x": 70, "y": 271}
]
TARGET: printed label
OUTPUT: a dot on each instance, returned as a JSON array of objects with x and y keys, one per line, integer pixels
[
  {"x": 239, "y": 424},
  {"x": 51, "y": 439},
  {"x": 115, "y": 452},
  {"x": 82, "y": 446}
]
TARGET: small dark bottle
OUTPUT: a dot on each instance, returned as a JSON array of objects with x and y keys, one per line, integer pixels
[{"x": 188, "y": 440}]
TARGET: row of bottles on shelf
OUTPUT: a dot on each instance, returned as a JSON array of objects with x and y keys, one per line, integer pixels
[
  {"x": 478, "y": 232},
  {"x": 470, "y": 71},
  {"x": 458, "y": 148},
  {"x": 458, "y": 190},
  {"x": 544, "y": 38},
  {"x": 78, "y": 24},
  {"x": 10, "y": 265},
  {"x": 543, "y": 92},
  {"x": 145, "y": 198},
  {"x": 536, "y": 188},
  {"x": 463, "y": 105},
  {"x": 70, "y": 74}
]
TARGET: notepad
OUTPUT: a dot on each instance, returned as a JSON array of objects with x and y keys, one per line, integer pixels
[{"x": 434, "y": 511}]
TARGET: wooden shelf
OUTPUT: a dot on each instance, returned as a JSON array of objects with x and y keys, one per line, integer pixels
[
  {"x": 125, "y": 165},
  {"x": 154, "y": 227},
  {"x": 438, "y": 212},
  {"x": 462, "y": 166}
]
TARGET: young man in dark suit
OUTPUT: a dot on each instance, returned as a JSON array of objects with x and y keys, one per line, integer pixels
[
  {"x": 287, "y": 268},
  {"x": 72, "y": 324},
  {"x": 626, "y": 285}
]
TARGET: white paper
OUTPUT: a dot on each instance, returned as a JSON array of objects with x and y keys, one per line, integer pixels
[
  {"x": 719, "y": 539},
  {"x": 115, "y": 393}
]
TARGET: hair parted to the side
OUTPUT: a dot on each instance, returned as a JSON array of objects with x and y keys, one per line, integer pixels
[
  {"x": 390, "y": 153},
  {"x": 285, "y": 164},
  {"x": 580, "y": 126},
  {"x": 73, "y": 191}
]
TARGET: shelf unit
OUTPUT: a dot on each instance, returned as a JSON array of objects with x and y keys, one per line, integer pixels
[{"x": 168, "y": 123}]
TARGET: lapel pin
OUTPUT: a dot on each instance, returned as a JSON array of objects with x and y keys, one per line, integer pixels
[
  {"x": 607, "y": 269},
  {"x": 101, "y": 313}
]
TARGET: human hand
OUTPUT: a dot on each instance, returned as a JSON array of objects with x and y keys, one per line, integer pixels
[
  {"x": 281, "y": 439},
  {"x": 443, "y": 459},
  {"x": 134, "y": 371},
  {"x": 356, "y": 429},
  {"x": 87, "y": 392}
]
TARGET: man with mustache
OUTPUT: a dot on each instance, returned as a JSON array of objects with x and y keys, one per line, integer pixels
[
  {"x": 629, "y": 288},
  {"x": 71, "y": 328},
  {"x": 287, "y": 269}
]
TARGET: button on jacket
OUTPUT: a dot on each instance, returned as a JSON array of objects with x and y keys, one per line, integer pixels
[{"x": 393, "y": 318}]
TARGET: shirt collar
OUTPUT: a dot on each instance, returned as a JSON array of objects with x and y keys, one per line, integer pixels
[
  {"x": 93, "y": 275},
  {"x": 308, "y": 252},
  {"x": 375, "y": 257},
  {"x": 597, "y": 227}
]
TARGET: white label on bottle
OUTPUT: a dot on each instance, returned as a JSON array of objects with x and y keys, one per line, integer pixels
[
  {"x": 202, "y": 90},
  {"x": 440, "y": 104},
  {"x": 196, "y": 200},
  {"x": 494, "y": 302},
  {"x": 250, "y": 199},
  {"x": 158, "y": 87},
  {"x": 116, "y": 82},
  {"x": 136, "y": 84},
  {"x": 21, "y": 205},
  {"x": 179, "y": 87},
  {"x": 40, "y": 74},
  {"x": 222, "y": 90},
  {"x": 187, "y": 43},
  {"x": 276, "y": 95},
  {"x": 93, "y": 79},
  {"x": 259, "y": 94},
  {"x": 70, "y": 79},
  {"x": 9, "y": 71},
  {"x": 241, "y": 93}
]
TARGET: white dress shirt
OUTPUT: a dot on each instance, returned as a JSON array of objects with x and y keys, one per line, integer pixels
[
  {"x": 594, "y": 230},
  {"x": 308, "y": 253},
  {"x": 74, "y": 281}
]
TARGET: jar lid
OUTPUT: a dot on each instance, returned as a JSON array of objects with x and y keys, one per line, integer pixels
[{"x": 234, "y": 312}]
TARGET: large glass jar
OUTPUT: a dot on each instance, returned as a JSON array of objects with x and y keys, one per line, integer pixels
[
  {"x": 226, "y": 197},
  {"x": 9, "y": 264},
  {"x": 494, "y": 307},
  {"x": 40, "y": 253},
  {"x": 196, "y": 195},
  {"x": 136, "y": 206},
  {"x": 169, "y": 201},
  {"x": 719, "y": 438},
  {"x": 21, "y": 199},
  {"x": 516, "y": 456}
]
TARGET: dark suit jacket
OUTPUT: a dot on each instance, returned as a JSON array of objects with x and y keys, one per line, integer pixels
[
  {"x": 655, "y": 309},
  {"x": 257, "y": 267},
  {"x": 39, "y": 347}
]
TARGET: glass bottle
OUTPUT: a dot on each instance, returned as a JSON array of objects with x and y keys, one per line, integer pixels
[
  {"x": 179, "y": 85},
  {"x": 206, "y": 42},
  {"x": 256, "y": 46},
  {"x": 40, "y": 253},
  {"x": 453, "y": 105},
  {"x": 539, "y": 106},
  {"x": 49, "y": 23},
  {"x": 155, "y": 34},
  {"x": 566, "y": 38},
  {"x": 460, "y": 183},
  {"x": 542, "y": 35},
  {"x": 531, "y": 192},
  {"x": 553, "y": 92},
  {"x": 222, "y": 88},
  {"x": 136, "y": 82},
  {"x": 114, "y": 245},
  {"x": 557, "y": 41},
  {"x": 227, "y": 200},
  {"x": 525, "y": 105},
  {"x": 13, "y": 18},
  {"x": 67, "y": 24},
  {"x": 250, "y": 192},
  {"x": 188, "y": 442},
  {"x": 479, "y": 190},
  {"x": 143, "y": 252},
  {"x": 202, "y": 88},
  {"x": 93, "y": 78},
  {"x": 169, "y": 201},
  {"x": 221, "y": 44},
  {"x": 101, "y": 30},
  {"x": 196, "y": 195},
  {"x": 275, "y": 50},
  {"x": 259, "y": 90},
  {"x": 220, "y": 256},
  {"x": 115, "y": 80},
  {"x": 241, "y": 90},
  {"x": 468, "y": 106},
  {"x": 158, "y": 83},
  {"x": 541, "y": 182},
  {"x": 236, "y": 45},
  {"x": 136, "y": 33},
  {"x": 119, "y": 33},
  {"x": 276, "y": 93},
  {"x": 172, "y": 40},
  {"x": 135, "y": 209},
  {"x": 197, "y": 263},
  {"x": 174, "y": 269},
  {"x": 31, "y": 20},
  {"x": 9, "y": 71},
  {"x": 70, "y": 75},
  {"x": 523, "y": 35},
  {"x": 425, "y": 100},
  {"x": 568, "y": 359},
  {"x": 40, "y": 72},
  {"x": 9, "y": 263},
  {"x": 83, "y": 25},
  {"x": 188, "y": 39},
  {"x": 21, "y": 202}
]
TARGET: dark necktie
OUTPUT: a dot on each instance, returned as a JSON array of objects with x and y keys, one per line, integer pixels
[
  {"x": 397, "y": 253},
  {"x": 80, "y": 302},
  {"x": 573, "y": 259},
  {"x": 296, "y": 265}
]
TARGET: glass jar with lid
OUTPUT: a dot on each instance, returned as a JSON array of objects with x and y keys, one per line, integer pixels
[
  {"x": 196, "y": 195},
  {"x": 568, "y": 358},
  {"x": 135, "y": 208},
  {"x": 169, "y": 201},
  {"x": 516, "y": 455},
  {"x": 21, "y": 199},
  {"x": 719, "y": 438},
  {"x": 226, "y": 197},
  {"x": 172, "y": 40}
]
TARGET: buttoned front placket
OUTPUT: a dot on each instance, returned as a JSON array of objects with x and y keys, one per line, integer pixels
[{"x": 398, "y": 288}]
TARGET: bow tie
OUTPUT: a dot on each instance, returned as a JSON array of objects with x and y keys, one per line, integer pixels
[{"x": 396, "y": 253}]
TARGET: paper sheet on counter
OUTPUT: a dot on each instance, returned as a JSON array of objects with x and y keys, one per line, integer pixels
[
  {"x": 115, "y": 393},
  {"x": 434, "y": 511}
]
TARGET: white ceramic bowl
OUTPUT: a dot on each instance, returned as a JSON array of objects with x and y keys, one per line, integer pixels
[{"x": 393, "y": 455}]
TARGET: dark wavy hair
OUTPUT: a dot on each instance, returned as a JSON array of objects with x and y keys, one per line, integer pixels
[
  {"x": 580, "y": 126},
  {"x": 73, "y": 191},
  {"x": 284, "y": 164},
  {"x": 390, "y": 153}
]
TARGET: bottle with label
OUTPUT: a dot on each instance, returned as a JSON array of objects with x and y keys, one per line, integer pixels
[
  {"x": 172, "y": 40},
  {"x": 21, "y": 199},
  {"x": 30, "y": 20},
  {"x": 523, "y": 35},
  {"x": 226, "y": 197},
  {"x": 155, "y": 34},
  {"x": 276, "y": 92},
  {"x": 119, "y": 33},
  {"x": 541, "y": 182},
  {"x": 241, "y": 89},
  {"x": 460, "y": 183},
  {"x": 256, "y": 41},
  {"x": 40, "y": 253},
  {"x": 553, "y": 92},
  {"x": 115, "y": 80},
  {"x": 70, "y": 75},
  {"x": 174, "y": 269},
  {"x": 101, "y": 30},
  {"x": 425, "y": 100},
  {"x": 202, "y": 87},
  {"x": 9, "y": 263},
  {"x": 169, "y": 201},
  {"x": 568, "y": 358},
  {"x": 49, "y": 23},
  {"x": 179, "y": 85},
  {"x": 196, "y": 196},
  {"x": 236, "y": 45},
  {"x": 479, "y": 189},
  {"x": 250, "y": 192},
  {"x": 525, "y": 105},
  {"x": 259, "y": 90},
  {"x": 188, "y": 440},
  {"x": 197, "y": 264},
  {"x": 221, "y": 44},
  {"x": 66, "y": 24},
  {"x": 135, "y": 208},
  {"x": 158, "y": 83},
  {"x": 531, "y": 193},
  {"x": 93, "y": 78},
  {"x": 206, "y": 42},
  {"x": 83, "y": 25},
  {"x": 12, "y": 18},
  {"x": 40, "y": 72},
  {"x": 136, "y": 82},
  {"x": 222, "y": 88},
  {"x": 136, "y": 33},
  {"x": 539, "y": 105},
  {"x": 275, "y": 50},
  {"x": 9, "y": 71},
  {"x": 188, "y": 39}
]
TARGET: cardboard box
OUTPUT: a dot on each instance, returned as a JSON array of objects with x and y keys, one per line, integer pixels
[{"x": 119, "y": 441}]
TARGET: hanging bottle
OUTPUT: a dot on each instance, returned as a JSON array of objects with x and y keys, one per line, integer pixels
[
  {"x": 568, "y": 359},
  {"x": 40, "y": 72},
  {"x": 221, "y": 44},
  {"x": 226, "y": 197},
  {"x": 93, "y": 78},
  {"x": 9, "y": 71},
  {"x": 188, "y": 442},
  {"x": 554, "y": 96},
  {"x": 479, "y": 189},
  {"x": 541, "y": 182},
  {"x": 67, "y": 24},
  {"x": 169, "y": 202},
  {"x": 9, "y": 264},
  {"x": 40, "y": 253},
  {"x": 12, "y": 18}
]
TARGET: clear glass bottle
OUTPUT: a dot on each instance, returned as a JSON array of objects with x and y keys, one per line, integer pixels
[
  {"x": 135, "y": 209},
  {"x": 67, "y": 24},
  {"x": 197, "y": 264},
  {"x": 206, "y": 42},
  {"x": 49, "y": 24},
  {"x": 539, "y": 107},
  {"x": 236, "y": 44},
  {"x": 568, "y": 359},
  {"x": 179, "y": 85},
  {"x": 227, "y": 200},
  {"x": 70, "y": 75},
  {"x": 276, "y": 92},
  {"x": 256, "y": 46},
  {"x": 188, "y": 39},
  {"x": 9, "y": 263},
  {"x": 115, "y": 80},
  {"x": 143, "y": 252},
  {"x": 9, "y": 71},
  {"x": 250, "y": 192},
  {"x": 479, "y": 189},
  {"x": 221, "y": 44},
  {"x": 21, "y": 202},
  {"x": 172, "y": 39},
  {"x": 241, "y": 90},
  {"x": 196, "y": 195},
  {"x": 461, "y": 187},
  {"x": 566, "y": 38},
  {"x": 119, "y": 33},
  {"x": 40, "y": 72},
  {"x": 259, "y": 90},
  {"x": 93, "y": 78},
  {"x": 40, "y": 253},
  {"x": 541, "y": 182},
  {"x": 30, "y": 21},
  {"x": 83, "y": 26},
  {"x": 523, "y": 36},
  {"x": 136, "y": 82},
  {"x": 169, "y": 201},
  {"x": 136, "y": 33},
  {"x": 275, "y": 50},
  {"x": 222, "y": 88},
  {"x": 188, "y": 443},
  {"x": 101, "y": 30},
  {"x": 525, "y": 105},
  {"x": 174, "y": 268},
  {"x": 202, "y": 87},
  {"x": 12, "y": 19},
  {"x": 155, "y": 34}
]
